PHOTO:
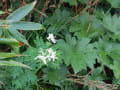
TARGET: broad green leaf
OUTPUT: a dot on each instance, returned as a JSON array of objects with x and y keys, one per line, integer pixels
[
  {"x": 82, "y": 26},
  {"x": 114, "y": 3},
  {"x": 18, "y": 36},
  {"x": 8, "y": 55},
  {"x": 21, "y": 12},
  {"x": 11, "y": 42},
  {"x": 13, "y": 63},
  {"x": 57, "y": 22},
  {"x": 78, "y": 53},
  {"x": 21, "y": 25}
]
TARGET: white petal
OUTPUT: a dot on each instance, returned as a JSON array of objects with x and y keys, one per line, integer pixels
[{"x": 51, "y": 37}]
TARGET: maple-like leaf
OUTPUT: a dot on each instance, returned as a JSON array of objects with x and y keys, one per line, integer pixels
[
  {"x": 78, "y": 53},
  {"x": 112, "y": 23}
]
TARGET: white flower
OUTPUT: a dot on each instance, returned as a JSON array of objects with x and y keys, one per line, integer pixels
[
  {"x": 51, "y": 37},
  {"x": 52, "y": 54},
  {"x": 42, "y": 58},
  {"x": 50, "y": 50},
  {"x": 47, "y": 55}
]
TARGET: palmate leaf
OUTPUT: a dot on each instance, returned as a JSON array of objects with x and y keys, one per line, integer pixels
[
  {"x": 78, "y": 53},
  {"x": 115, "y": 55},
  {"x": 115, "y": 67},
  {"x": 109, "y": 55},
  {"x": 112, "y": 23},
  {"x": 58, "y": 21},
  {"x": 83, "y": 26},
  {"x": 103, "y": 50},
  {"x": 21, "y": 12},
  {"x": 55, "y": 76}
]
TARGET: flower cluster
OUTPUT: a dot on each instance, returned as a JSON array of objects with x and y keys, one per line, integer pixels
[
  {"x": 47, "y": 55},
  {"x": 51, "y": 37}
]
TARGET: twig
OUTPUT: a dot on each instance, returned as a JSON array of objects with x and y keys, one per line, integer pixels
[
  {"x": 40, "y": 12},
  {"x": 97, "y": 84},
  {"x": 46, "y": 3},
  {"x": 73, "y": 75},
  {"x": 76, "y": 11},
  {"x": 87, "y": 7},
  {"x": 38, "y": 4}
]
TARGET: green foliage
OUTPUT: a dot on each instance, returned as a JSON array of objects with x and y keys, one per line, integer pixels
[
  {"x": 11, "y": 42},
  {"x": 112, "y": 24},
  {"x": 58, "y": 21},
  {"x": 71, "y": 2},
  {"x": 21, "y": 25},
  {"x": 87, "y": 47},
  {"x": 25, "y": 78},
  {"x": 114, "y": 4},
  {"x": 55, "y": 76},
  {"x": 86, "y": 26},
  {"x": 8, "y": 55},
  {"x": 22, "y": 79},
  {"x": 12, "y": 63},
  {"x": 78, "y": 53},
  {"x": 4, "y": 56},
  {"x": 12, "y": 23},
  {"x": 21, "y": 12}
]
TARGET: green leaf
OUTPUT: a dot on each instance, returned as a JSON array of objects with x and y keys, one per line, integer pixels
[
  {"x": 114, "y": 3},
  {"x": 58, "y": 21},
  {"x": 112, "y": 24},
  {"x": 8, "y": 55},
  {"x": 116, "y": 69},
  {"x": 55, "y": 76},
  {"x": 21, "y": 25},
  {"x": 78, "y": 53},
  {"x": 13, "y": 63},
  {"x": 21, "y": 12},
  {"x": 104, "y": 49},
  {"x": 11, "y": 42},
  {"x": 83, "y": 26},
  {"x": 18, "y": 36}
]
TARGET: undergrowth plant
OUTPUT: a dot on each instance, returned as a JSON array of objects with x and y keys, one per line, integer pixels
[{"x": 78, "y": 49}]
